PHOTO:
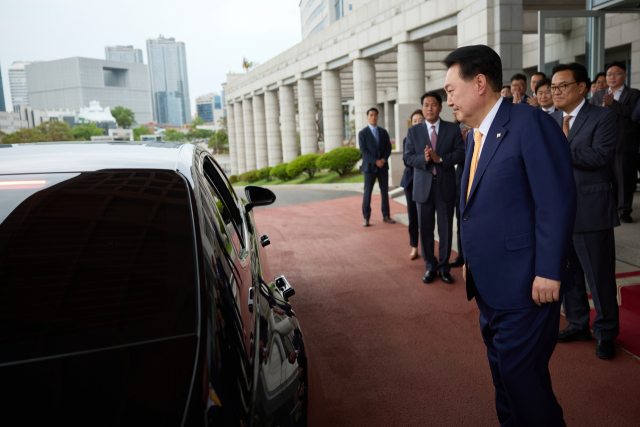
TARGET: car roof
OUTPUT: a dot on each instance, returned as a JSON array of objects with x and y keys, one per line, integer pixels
[{"x": 78, "y": 156}]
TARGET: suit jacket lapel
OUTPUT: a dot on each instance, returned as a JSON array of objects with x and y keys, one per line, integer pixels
[
  {"x": 464, "y": 181},
  {"x": 491, "y": 142},
  {"x": 439, "y": 138},
  {"x": 579, "y": 121},
  {"x": 624, "y": 94}
]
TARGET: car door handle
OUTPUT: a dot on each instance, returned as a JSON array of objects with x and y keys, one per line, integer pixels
[{"x": 251, "y": 300}]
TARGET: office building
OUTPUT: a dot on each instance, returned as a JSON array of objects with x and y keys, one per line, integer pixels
[
  {"x": 73, "y": 83},
  {"x": 3, "y": 107},
  {"x": 11, "y": 122},
  {"x": 18, "y": 83},
  {"x": 123, "y": 54},
  {"x": 318, "y": 14},
  {"x": 169, "y": 81},
  {"x": 35, "y": 117},
  {"x": 210, "y": 107}
]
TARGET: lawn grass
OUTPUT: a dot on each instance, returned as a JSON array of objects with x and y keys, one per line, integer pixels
[{"x": 324, "y": 177}]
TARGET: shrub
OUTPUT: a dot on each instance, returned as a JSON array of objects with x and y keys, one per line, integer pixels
[
  {"x": 233, "y": 179},
  {"x": 264, "y": 173},
  {"x": 280, "y": 171},
  {"x": 341, "y": 160},
  {"x": 303, "y": 164},
  {"x": 249, "y": 176}
]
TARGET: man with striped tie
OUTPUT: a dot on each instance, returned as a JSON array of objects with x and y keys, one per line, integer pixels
[{"x": 518, "y": 205}]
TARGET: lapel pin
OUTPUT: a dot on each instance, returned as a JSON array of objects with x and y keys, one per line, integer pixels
[{"x": 498, "y": 135}]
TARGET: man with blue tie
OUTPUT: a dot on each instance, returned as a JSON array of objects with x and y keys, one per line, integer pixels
[
  {"x": 518, "y": 209},
  {"x": 375, "y": 147}
]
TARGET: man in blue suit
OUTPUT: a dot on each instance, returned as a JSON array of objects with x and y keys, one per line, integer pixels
[
  {"x": 433, "y": 149},
  {"x": 518, "y": 209},
  {"x": 375, "y": 147}
]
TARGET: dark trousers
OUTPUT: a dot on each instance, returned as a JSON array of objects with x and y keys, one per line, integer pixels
[
  {"x": 457, "y": 207},
  {"x": 412, "y": 211},
  {"x": 624, "y": 180},
  {"x": 519, "y": 345},
  {"x": 426, "y": 225},
  {"x": 383, "y": 182},
  {"x": 593, "y": 255}
]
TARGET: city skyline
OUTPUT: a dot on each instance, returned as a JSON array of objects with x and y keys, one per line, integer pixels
[{"x": 216, "y": 46}]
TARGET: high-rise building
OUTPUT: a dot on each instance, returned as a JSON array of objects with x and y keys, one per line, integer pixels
[
  {"x": 18, "y": 83},
  {"x": 73, "y": 83},
  {"x": 123, "y": 54},
  {"x": 3, "y": 107},
  {"x": 209, "y": 107},
  {"x": 169, "y": 81}
]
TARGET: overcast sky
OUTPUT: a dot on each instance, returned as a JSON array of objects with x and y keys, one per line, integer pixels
[{"x": 216, "y": 33}]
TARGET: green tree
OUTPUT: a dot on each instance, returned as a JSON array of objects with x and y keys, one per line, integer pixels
[
  {"x": 173, "y": 135},
  {"x": 341, "y": 160},
  {"x": 140, "y": 131},
  {"x": 303, "y": 164},
  {"x": 219, "y": 141},
  {"x": 86, "y": 131},
  {"x": 56, "y": 131},
  {"x": 280, "y": 172},
  {"x": 25, "y": 135},
  {"x": 198, "y": 121},
  {"x": 124, "y": 116}
]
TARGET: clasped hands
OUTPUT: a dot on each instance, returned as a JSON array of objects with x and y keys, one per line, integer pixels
[
  {"x": 431, "y": 156},
  {"x": 607, "y": 100},
  {"x": 542, "y": 292},
  {"x": 380, "y": 163}
]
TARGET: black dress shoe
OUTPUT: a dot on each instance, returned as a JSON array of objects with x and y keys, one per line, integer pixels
[
  {"x": 365, "y": 223},
  {"x": 429, "y": 276},
  {"x": 388, "y": 220},
  {"x": 567, "y": 335},
  {"x": 626, "y": 218},
  {"x": 458, "y": 262},
  {"x": 605, "y": 349},
  {"x": 446, "y": 277}
]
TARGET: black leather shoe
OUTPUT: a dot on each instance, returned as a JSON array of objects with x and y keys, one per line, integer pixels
[
  {"x": 458, "y": 262},
  {"x": 605, "y": 349},
  {"x": 429, "y": 276},
  {"x": 388, "y": 220},
  {"x": 566, "y": 335},
  {"x": 626, "y": 218},
  {"x": 446, "y": 277},
  {"x": 365, "y": 223}
]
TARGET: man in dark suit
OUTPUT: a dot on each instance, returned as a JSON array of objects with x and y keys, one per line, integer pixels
[
  {"x": 375, "y": 147},
  {"x": 591, "y": 132},
  {"x": 459, "y": 261},
  {"x": 518, "y": 207},
  {"x": 433, "y": 149},
  {"x": 519, "y": 89},
  {"x": 621, "y": 100},
  {"x": 407, "y": 184}
]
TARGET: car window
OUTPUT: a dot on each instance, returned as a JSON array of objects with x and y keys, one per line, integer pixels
[{"x": 94, "y": 260}]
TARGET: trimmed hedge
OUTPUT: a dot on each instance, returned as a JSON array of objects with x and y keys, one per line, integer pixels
[
  {"x": 264, "y": 173},
  {"x": 303, "y": 164},
  {"x": 249, "y": 176},
  {"x": 341, "y": 160},
  {"x": 233, "y": 179},
  {"x": 280, "y": 172}
]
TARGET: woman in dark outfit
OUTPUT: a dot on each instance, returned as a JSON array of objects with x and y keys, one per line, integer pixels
[{"x": 407, "y": 184}]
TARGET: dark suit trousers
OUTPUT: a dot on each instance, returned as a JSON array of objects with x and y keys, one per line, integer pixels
[
  {"x": 457, "y": 207},
  {"x": 624, "y": 180},
  {"x": 426, "y": 224},
  {"x": 383, "y": 182},
  {"x": 593, "y": 255},
  {"x": 519, "y": 346},
  {"x": 412, "y": 211}
]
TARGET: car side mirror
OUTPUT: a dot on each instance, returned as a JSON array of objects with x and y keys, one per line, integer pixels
[{"x": 258, "y": 196}]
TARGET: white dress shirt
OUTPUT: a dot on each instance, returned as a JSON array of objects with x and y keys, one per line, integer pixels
[
  {"x": 429, "y": 131},
  {"x": 617, "y": 93},
  {"x": 550, "y": 110},
  {"x": 486, "y": 124},
  {"x": 573, "y": 114}
]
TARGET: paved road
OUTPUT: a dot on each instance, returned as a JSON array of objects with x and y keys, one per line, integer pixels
[{"x": 290, "y": 196}]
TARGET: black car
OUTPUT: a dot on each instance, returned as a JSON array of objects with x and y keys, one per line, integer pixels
[{"x": 135, "y": 290}]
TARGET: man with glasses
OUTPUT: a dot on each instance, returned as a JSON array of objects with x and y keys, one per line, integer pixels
[
  {"x": 621, "y": 100},
  {"x": 591, "y": 133}
]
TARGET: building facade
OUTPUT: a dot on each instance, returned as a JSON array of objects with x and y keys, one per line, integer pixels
[
  {"x": 35, "y": 117},
  {"x": 318, "y": 14},
  {"x": 210, "y": 107},
  {"x": 386, "y": 54},
  {"x": 123, "y": 54},
  {"x": 73, "y": 83},
  {"x": 3, "y": 107},
  {"x": 11, "y": 122},
  {"x": 18, "y": 83},
  {"x": 169, "y": 81}
]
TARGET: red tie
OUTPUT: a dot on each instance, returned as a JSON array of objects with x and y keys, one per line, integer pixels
[{"x": 434, "y": 141}]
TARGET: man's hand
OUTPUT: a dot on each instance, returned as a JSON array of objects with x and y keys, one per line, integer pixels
[
  {"x": 607, "y": 100},
  {"x": 517, "y": 98},
  {"x": 380, "y": 163},
  {"x": 533, "y": 101},
  {"x": 464, "y": 272},
  {"x": 432, "y": 155},
  {"x": 545, "y": 290}
]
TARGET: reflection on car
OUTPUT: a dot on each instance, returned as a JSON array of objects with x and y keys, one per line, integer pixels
[{"x": 135, "y": 290}]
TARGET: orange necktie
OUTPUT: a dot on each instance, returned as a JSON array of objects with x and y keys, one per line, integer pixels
[
  {"x": 477, "y": 139},
  {"x": 565, "y": 126}
]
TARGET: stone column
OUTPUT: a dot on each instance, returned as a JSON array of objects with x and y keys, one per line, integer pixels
[
  {"x": 272, "y": 114},
  {"x": 382, "y": 117},
  {"x": 231, "y": 126},
  {"x": 249, "y": 137},
  {"x": 497, "y": 24},
  {"x": 288, "y": 124},
  {"x": 260, "y": 131},
  {"x": 240, "y": 151},
  {"x": 307, "y": 116},
  {"x": 364, "y": 90},
  {"x": 332, "y": 110}
]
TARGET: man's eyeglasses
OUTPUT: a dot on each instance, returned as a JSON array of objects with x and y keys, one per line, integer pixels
[
  {"x": 618, "y": 73},
  {"x": 561, "y": 87}
]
